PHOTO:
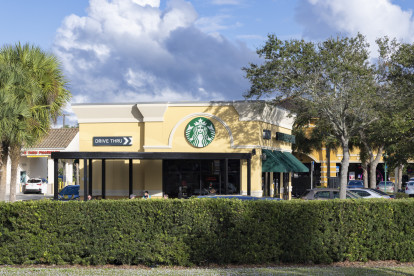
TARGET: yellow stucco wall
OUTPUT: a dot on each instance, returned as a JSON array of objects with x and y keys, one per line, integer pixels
[
  {"x": 336, "y": 155},
  {"x": 232, "y": 136},
  {"x": 88, "y": 131},
  {"x": 243, "y": 133}
]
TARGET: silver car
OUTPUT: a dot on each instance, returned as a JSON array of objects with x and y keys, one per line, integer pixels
[
  {"x": 327, "y": 193},
  {"x": 369, "y": 193},
  {"x": 387, "y": 187}
]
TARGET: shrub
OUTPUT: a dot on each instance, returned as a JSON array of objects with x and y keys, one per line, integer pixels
[
  {"x": 401, "y": 195},
  {"x": 202, "y": 231}
]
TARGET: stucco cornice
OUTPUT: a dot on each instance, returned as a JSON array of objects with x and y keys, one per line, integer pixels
[
  {"x": 263, "y": 112},
  {"x": 152, "y": 112},
  {"x": 107, "y": 113}
]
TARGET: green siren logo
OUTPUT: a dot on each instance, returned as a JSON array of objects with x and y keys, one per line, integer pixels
[{"x": 200, "y": 132}]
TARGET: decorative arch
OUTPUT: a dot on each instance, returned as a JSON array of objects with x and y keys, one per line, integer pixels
[{"x": 310, "y": 156}]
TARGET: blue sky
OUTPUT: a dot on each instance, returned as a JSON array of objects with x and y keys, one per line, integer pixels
[{"x": 178, "y": 50}]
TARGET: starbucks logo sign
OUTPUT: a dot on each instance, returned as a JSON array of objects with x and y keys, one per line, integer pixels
[{"x": 200, "y": 132}]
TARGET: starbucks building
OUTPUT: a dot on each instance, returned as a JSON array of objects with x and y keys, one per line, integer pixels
[{"x": 183, "y": 149}]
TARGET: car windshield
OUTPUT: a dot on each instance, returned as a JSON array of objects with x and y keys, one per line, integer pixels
[
  {"x": 352, "y": 195},
  {"x": 34, "y": 181},
  {"x": 360, "y": 192},
  {"x": 379, "y": 192},
  {"x": 382, "y": 183},
  {"x": 355, "y": 182},
  {"x": 323, "y": 194},
  {"x": 348, "y": 195}
]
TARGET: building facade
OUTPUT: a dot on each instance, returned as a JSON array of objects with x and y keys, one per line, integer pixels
[
  {"x": 182, "y": 149},
  {"x": 327, "y": 167}
]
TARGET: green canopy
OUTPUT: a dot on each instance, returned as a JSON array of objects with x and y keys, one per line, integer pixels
[{"x": 277, "y": 161}]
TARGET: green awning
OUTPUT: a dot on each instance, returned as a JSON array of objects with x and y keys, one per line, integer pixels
[{"x": 277, "y": 161}]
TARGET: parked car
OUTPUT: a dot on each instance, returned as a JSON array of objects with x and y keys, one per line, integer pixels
[
  {"x": 384, "y": 193},
  {"x": 409, "y": 188},
  {"x": 240, "y": 197},
  {"x": 70, "y": 192},
  {"x": 369, "y": 193},
  {"x": 388, "y": 188},
  {"x": 33, "y": 185},
  {"x": 327, "y": 193},
  {"x": 356, "y": 184}
]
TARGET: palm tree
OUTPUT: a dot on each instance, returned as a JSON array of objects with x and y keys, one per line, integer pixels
[
  {"x": 35, "y": 90},
  {"x": 12, "y": 113}
]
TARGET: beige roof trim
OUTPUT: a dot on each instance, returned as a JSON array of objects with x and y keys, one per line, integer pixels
[
  {"x": 154, "y": 112},
  {"x": 117, "y": 113}
]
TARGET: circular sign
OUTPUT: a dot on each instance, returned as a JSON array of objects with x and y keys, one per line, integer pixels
[{"x": 200, "y": 132}]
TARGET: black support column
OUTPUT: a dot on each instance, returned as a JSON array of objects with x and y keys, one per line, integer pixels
[
  {"x": 249, "y": 182},
  {"x": 226, "y": 175},
  {"x": 85, "y": 179},
  {"x": 328, "y": 159},
  {"x": 55, "y": 178},
  {"x": 266, "y": 186},
  {"x": 103, "y": 178},
  {"x": 90, "y": 178},
  {"x": 130, "y": 178}
]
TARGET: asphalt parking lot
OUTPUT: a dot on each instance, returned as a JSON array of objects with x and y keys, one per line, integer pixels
[{"x": 24, "y": 197}]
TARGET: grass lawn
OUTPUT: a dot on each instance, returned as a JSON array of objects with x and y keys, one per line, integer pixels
[{"x": 358, "y": 270}]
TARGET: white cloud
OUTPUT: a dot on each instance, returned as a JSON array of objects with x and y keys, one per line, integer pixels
[
  {"x": 79, "y": 98},
  {"x": 138, "y": 79},
  {"x": 131, "y": 50},
  {"x": 152, "y": 3},
  {"x": 215, "y": 23},
  {"x": 226, "y": 2},
  {"x": 372, "y": 18}
]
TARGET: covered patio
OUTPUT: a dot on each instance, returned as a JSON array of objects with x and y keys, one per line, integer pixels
[{"x": 88, "y": 158}]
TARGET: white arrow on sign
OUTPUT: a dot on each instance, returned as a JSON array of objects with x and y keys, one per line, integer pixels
[{"x": 128, "y": 141}]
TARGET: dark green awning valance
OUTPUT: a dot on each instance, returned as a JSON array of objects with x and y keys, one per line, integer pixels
[{"x": 277, "y": 161}]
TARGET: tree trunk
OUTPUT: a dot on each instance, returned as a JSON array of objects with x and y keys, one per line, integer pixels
[
  {"x": 373, "y": 169},
  {"x": 344, "y": 168},
  {"x": 15, "y": 159},
  {"x": 364, "y": 166},
  {"x": 3, "y": 183},
  {"x": 398, "y": 177}
]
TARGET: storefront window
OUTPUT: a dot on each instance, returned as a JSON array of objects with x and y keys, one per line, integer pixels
[{"x": 186, "y": 178}]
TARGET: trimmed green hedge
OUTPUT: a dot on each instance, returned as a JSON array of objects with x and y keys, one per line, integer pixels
[{"x": 202, "y": 231}]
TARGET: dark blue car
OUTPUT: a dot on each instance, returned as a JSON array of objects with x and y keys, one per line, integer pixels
[
  {"x": 355, "y": 184},
  {"x": 70, "y": 192},
  {"x": 240, "y": 197}
]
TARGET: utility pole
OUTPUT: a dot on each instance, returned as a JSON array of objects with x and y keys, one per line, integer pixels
[{"x": 63, "y": 121}]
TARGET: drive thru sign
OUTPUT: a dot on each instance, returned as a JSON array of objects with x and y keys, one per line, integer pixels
[{"x": 113, "y": 141}]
